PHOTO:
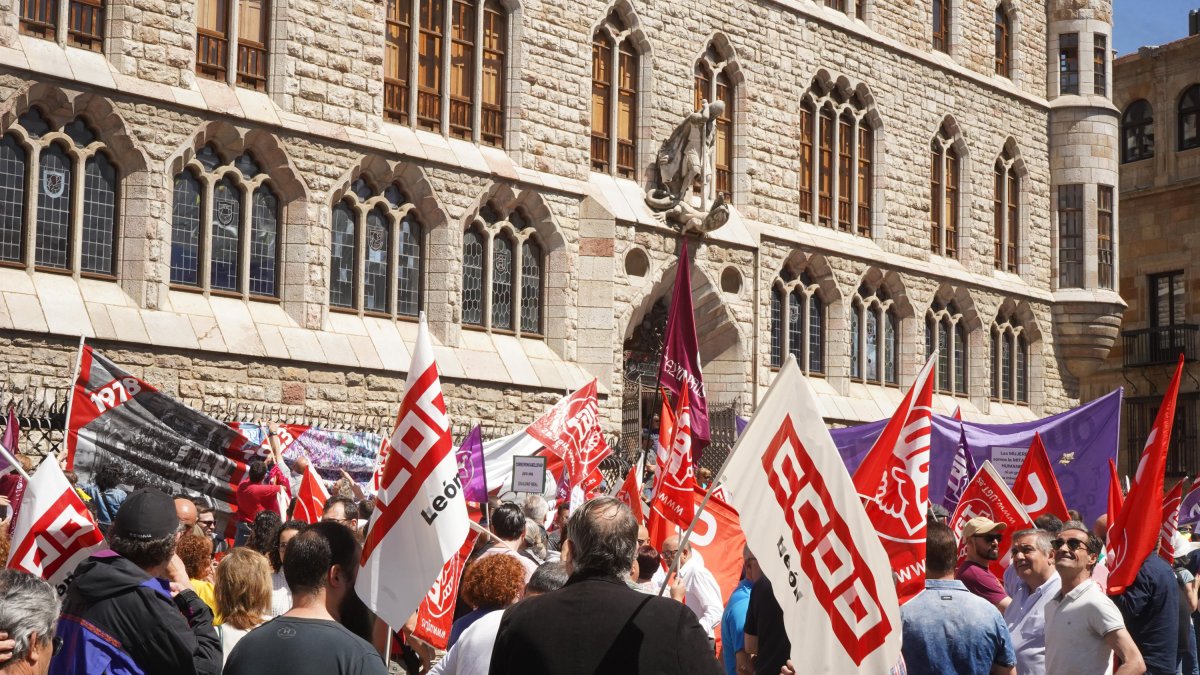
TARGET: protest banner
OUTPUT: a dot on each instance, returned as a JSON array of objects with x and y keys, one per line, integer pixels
[
  {"x": 1079, "y": 441},
  {"x": 1036, "y": 488},
  {"x": 420, "y": 519},
  {"x": 1189, "y": 508},
  {"x": 961, "y": 470},
  {"x": 893, "y": 482},
  {"x": 1170, "y": 523},
  {"x": 812, "y": 537},
  {"x": 719, "y": 540},
  {"x": 54, "y": 531},
  {"x": 529, "y": 475},
  {"x": 680, "y": 365},
  {"x": 330, "y": 451},
  {"x": 630, "y": 492},
  {"x": 311, "y": 497},
  {"x": 1131, "y": 536},
  {"x": 674, "y": 496},
  {"x": 469, "y": 456},
  {"x": 571, "y": 431},
  {"x": 435, "y": 616},
  {"x": 159, "y": 442},
  {"x": 988, "y": 495}
]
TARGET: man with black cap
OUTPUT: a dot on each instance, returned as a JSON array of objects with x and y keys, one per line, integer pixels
[
  {"x": 981, "y": 537},
  {"x": 132, "y": 608}
]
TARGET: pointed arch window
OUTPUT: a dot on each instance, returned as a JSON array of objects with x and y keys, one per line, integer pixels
[
  {"x": 72, "y": 193},
  {"x": 797, "y": 321},
  {"x": 1006, "y": 213},
  {"x": 225, "y": 227},
  {"x": 1189, "y": 118},
  {"x": 945, "y": 331},
  {"x": 1137, "y": 132},
  {"x": 504, "y": 266},
  {"x": 836, "y": 129},
  {"x": 714, "y": 82},
  {"x": 377, "y": 252},
  {"x": 1010, "y": 362},
  {"x": 944, "y": 194},
  {"x": 1004, "y": 42},
  {"x": 874, "y": 337},
  {"x": 615, "y": 90}
]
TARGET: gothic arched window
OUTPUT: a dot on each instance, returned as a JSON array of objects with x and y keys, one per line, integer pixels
[
  {"x": 874, "y": 337},
  {"x": 797, "y": 322},
  {"x": 1010, "y": 361},
  {"x": 503, "y": 273},
  {"x": 836, "y": 147},
  {"x": 945, "y": 331},
  {"x": 614, "y": 99}
]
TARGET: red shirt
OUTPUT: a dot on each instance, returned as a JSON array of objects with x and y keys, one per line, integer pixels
[
  {"x": 980, "y": 581},
  {"x": 255, "y": 497}
]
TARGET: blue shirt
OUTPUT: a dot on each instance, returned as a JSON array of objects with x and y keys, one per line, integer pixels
[
  {"x": 733, "y": 625},
  {"x": 1026, "y": 619},
  {"x": 947, "y": 629}
]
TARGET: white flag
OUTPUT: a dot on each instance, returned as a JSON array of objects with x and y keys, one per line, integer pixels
[
  {"x": 812, "y": 537},
  {"x": 54, "y": 531},
  {"x": 420, "y": 517}
]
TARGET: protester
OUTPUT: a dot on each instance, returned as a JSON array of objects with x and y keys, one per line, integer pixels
[
  {"x": 535, "y": 545},
  {"x": 1037, "y": 583},
  {"x": 733, "y": 621},
  {"x": 766, "y": 639},
  {"x": 196, "y": 554},
  {"x": 262, "y": 489},
  {"x": 243, "y": 593},
  {"x": 264, "y": 532},
  {"x": 508, "y": 524},
  {"x": 1150, "y": 607},
  {"x": 699, "y": 586},
  {"x": 1188, "y": 585},
  {"x": 981, "y": 539},
  {"x": 281, "y": 595},
  {"x": 595, "y": 624},
  {"x": 28, "y": 613},
  {"x": 1083, "y": 627},
  {"x": 1049, "y": 523},
  {"x": 134, "y": 605},
  {"x": 535, "y": 508},
  {"x": 472, "y": 653},
  {"x": 320, "y": 567},
  {"x": 488, "y": 584},
  {"x": 947, "y": 628},
  {"x": 648, "y": 563},
  {"x": 561, "y": 513},
  {"x": 341, "y": 510},
  {"x": 106, "y": 495},
  {"x": 188, "y": 515}
]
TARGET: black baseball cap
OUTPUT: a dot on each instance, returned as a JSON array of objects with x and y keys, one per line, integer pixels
[{"x": 146, "y": 514}]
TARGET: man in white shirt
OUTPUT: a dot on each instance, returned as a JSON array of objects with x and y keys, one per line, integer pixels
[
  {"x": 1036, "y": 583},
  {"x": 701, "y": 593}
]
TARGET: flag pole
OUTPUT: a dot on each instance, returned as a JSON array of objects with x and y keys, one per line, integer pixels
[
  {"x": 71, "y": 399},
  {"x": 662, "y": 348},
  {"x": 13, "y": 461}
]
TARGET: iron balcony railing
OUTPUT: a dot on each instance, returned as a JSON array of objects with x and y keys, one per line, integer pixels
[{"x": 1161, "y": 344}]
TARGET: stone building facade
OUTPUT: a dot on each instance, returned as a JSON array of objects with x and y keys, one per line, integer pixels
[
  {"x": 1158, "y": 92},
  {"x": 248, "y": 201}
]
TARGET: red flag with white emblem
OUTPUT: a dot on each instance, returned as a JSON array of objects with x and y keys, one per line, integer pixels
[
  {"x": 631, "y": 493},
  {"x": 420, "y": 517},
  {"x": 1130, "y": 541},
  {"x": 435, "y": 617},
  {"x": 893, "y": 482},
  {"x": 674, "y": 498},
  {"x": 311, "y": 497},
  {"x": 1170, "y": 524},
  {"x": 987, "y": 495},
  {"x": 1036, "y": 487},
  {"x": 54, "y": 531}
]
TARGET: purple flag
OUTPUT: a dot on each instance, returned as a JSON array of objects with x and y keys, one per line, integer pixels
[
  {"x": 470, "y": 467},
  {"x": 1189, "y": 509},
  {"x": 961, "y": 472},
  {"x": 11, "y": 431},
  {"x": 740, "y": 423},
  {"x": 681, "y": 353}
]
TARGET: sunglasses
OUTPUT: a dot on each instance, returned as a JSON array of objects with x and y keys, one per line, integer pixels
[
  {"x": 990, "y": 538},
  {"x": 1072, "y": 544}
]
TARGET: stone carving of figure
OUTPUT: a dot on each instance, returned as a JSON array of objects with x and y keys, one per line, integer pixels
[{"x": 684, "y": 156}]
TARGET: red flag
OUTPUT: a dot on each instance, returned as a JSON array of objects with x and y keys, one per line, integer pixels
[
  {"x": 1166, "y": 536},
  {"x": 311, "y": 497},
  {"x": 54, "y": 531},
  {"x": 1036, "y": 487},
  {"x": 435, "y": 616},
  {"x": 571, "y": 430},
  {"x": 680, "y": 366},
  {"x": 958, "y": 413},
  {"x": 662, "y": 449},
  {"x": 893, "y": 482},
  {"x": 631, "y": 494},
  {"x": 1116, "y": 498},
  {"x": 674, "y": 498},
  {"x": 1130, "y": 540},
  {"x": 987, "y": 495},
  {"x": 719, "y": 539}
]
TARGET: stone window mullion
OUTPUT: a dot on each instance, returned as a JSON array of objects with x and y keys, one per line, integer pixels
[
  {"x": 488, "y": 270},
  {"x": 231, "y": 52},
  {"x": 62, "y": 25},
  {"x": 75, "y": 230},
  {"x": 785, "y": 315},
  {"x": 614, "y": 101},
  {"x": 517, "y": 292},
  {"x": 394, "y": 261},
  {"x": 854, "y": 178},
  {"x": 360, "y": 254},
  {"x": 477, "y": 79},
  {"x": 208, "y": 184},
  {"x": 414, "y": 56},
  {"x": 245, "y": 234},
  {"x": 34, "y": 185}
]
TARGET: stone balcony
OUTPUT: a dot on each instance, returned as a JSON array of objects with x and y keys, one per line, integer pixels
[{"x": 1086, "y": 326}]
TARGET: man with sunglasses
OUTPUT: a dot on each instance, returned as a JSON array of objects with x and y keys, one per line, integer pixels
[
  {"x": 1083, "y": 627},
  {"x": 981, "y": 537}
]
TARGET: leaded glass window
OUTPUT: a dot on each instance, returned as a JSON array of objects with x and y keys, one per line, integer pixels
[
  {"x": 797, "y": 321},
  {"x": 1010, "y": 362},
  {"x": 855, "y": 343},
  {"x": 873, "y": 354},
  {"x": 12, "y": 199},
  {"x": 776, "y": 327},
  {"x": 99, "y": 215},
  {"x": 943, "y": 366},
  {"x": 408, "y": 274},
  {"x": 796, "y": 325},
  {"x": 1021, "y": 375},
  {"x": 472, "y": 304},
  {"x": 871, "y": 341},
  {"x": 342, "y": 257},
  {"x": 960, "y": 359},
  {"x": 531, "y": 287},
  {"x": 377, "y": 262},
  {"x": 226, "y": 235},
  {"x": 264, "y": 243},
  {"x": 504, "y": 265},
  {"x": 891, "y": 362},
  {"x": 185, "y": 230},
  {"x": 502, "y": 262},
  {"x": 52, "y": 243},
  {"x": 385, "y": 262},
  {"x": 816, "y": 335}
]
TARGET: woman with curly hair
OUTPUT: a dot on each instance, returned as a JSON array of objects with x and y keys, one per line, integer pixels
[
  {"x": 489, "y": 584},
  {"x": 263, "y": 531},
  {"x": 196, "y": 552},
  {"x": 281, "y": 594},
  {"x": 243, "y": 593}
]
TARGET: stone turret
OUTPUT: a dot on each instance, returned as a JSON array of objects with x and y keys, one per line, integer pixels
[{"x": 1084, "y": 156}]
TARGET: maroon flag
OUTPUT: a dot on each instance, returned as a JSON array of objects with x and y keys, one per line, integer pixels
[
  {"x": 12, "y": 432},
  {"x": 680, "y": 364}
]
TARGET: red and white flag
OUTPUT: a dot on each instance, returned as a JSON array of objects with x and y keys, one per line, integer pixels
[
  {"x": 311, "y": 497},
  {"x": 811, "y": 535},
  {"x": 893, "y": 482},
  {"x": 631, "y": 493},
  {"x": 1036, "y": 487},
  {"x": 1130, "y": 541},
  {"x": 662, "y": 448},
  {"x": 54, "y": 531},
  {"x": 1116, "y": 498},
  {"x": 674, "y": 497},
  {"x": 420, "y": 517},
  {"x": 435, "y": 616},
  {"x": 988, "y": 495},
  {"x": 1170, "y": 524},
  {"x": 719, "y": 539}
]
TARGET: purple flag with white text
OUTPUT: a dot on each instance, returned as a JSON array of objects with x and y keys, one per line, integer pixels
[
  {"x": 961, "y": 472},
  {"x": 1189, "y": 510},
  {"x": 470, "y": 467},
  {"x": 681, "y": 354}
]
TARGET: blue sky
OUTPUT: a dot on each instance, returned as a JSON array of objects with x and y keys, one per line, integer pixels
[{"x": 1149, "y": 22}]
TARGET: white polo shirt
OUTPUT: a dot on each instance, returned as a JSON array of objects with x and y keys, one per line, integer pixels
[{"x": 1076, "y": 624}]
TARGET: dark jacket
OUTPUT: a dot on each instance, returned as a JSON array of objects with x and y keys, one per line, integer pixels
[
  {"x": 597, "y": 625},
  {"x": 117, "y": 618},
  {"x": 1150, "y": 606}
]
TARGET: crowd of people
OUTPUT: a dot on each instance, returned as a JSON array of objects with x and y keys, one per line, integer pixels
[{"x": 553, "y": 591}]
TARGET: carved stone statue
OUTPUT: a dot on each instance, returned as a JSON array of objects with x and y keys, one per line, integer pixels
[{"x": 684, "y": 158}]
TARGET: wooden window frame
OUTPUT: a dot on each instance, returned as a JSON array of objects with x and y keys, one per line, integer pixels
[
  {"x": 941, "y": 16},
  {"x": 602, "y": 88},
  {"x": 85, "y": 24},
  {"x": 491, "y": 113},
  {"x": 808, "y": 119},
  {"x": 713, "y": 82},
  {"x": 1105, "y": 277},
  {"x": 1003, "y": 42},
  {"x": 39, "y": 18},
  {"x": 1100, "y": 64},
  {"x": 945, "y": 192},
  {"x": 398, "y": 32},
  {"x": 845, "y": 170},
  {"x": 212, "y": 44},
  {"x": 1173, "y": 310},
  {"x": 827, "y": 121},
  {"x": 1068, "y": 64},
  {"x": 627, "y": 85},
  {"x": 253, "y": 56},
  {"x": 1071, "y": 225},
  {"x": 463, "y": 50},
  {"x": 431, "y": 36}
]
